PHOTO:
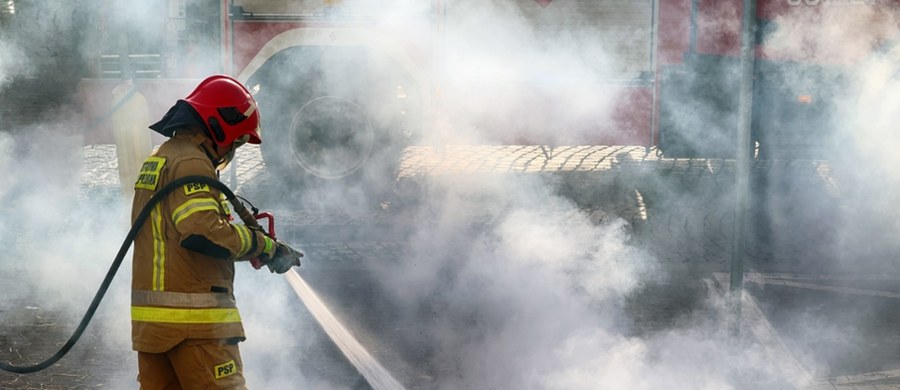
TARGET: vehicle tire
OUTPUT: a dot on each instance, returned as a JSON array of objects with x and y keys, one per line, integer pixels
[{"x": 335, "y": 117}]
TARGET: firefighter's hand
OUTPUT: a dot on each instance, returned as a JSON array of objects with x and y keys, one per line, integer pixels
[{"x": 284, "y": 258}]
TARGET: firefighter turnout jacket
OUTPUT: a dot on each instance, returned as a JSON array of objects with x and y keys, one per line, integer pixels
[{"x": 183, "y": 267}]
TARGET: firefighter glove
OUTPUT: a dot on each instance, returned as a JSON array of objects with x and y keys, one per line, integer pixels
[{"x": 284, "y": 258}]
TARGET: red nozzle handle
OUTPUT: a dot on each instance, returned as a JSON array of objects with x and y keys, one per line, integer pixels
[
  {"x": 271, "y": 218},
  {"x": 256, "y": 262}
]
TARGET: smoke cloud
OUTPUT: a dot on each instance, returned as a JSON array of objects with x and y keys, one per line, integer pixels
[
  {"x": 508, "y": 280},
  {"x": 61, "y": 236},
  {"x": 9, "y": 63}
]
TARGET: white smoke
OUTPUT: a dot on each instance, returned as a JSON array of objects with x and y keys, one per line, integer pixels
[
  {"x": 61, "y": 237},
  {"x": 509, "y": 283},
  {"x": 514, "y": 72},
  {"x": 861, "y": 42},
  {"x": 10, "y": 62},
  {"x": 525, "y": 293},
  {"x": 516, "y": 287}
]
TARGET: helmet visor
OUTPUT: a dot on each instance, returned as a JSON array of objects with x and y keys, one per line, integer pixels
[{"x": 240, "y": 141}]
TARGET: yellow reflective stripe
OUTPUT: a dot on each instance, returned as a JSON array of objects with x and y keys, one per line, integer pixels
[
  {"x": 193, "y": 206},
  {"x": 244, "y": 234},
  {"x": 225, "y": 207},
  {"x": 224, "y": 202},
  {"x": 270, "y": 246},
  {"x": 159, "y": 250},
  {"x": 184, "y": 316}
]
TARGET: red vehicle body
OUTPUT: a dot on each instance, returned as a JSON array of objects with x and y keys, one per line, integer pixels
[{"x": 343, "y": 85}]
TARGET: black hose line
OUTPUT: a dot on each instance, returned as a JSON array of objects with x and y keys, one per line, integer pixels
[{"x": 135, "y": 228}]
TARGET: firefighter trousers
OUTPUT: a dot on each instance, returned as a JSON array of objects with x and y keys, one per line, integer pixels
[{"x": 193, "y": 364}]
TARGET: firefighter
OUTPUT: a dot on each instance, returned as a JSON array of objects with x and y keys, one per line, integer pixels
[{"x": 185, "y": 325}]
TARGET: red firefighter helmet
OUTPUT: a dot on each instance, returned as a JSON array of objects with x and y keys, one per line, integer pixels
[{"x": 227, "y": 109}]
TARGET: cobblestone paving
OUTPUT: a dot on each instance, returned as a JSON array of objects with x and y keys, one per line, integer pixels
[
  {"x": 632, "y": 183},
  {"x": 36, "y": 334}
]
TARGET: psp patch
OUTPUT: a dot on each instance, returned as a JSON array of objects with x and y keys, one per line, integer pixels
[
  {"x": 193, "y": 188},
  {"x": 148, "y": 177},
  {"x": 225, "y": 369}
]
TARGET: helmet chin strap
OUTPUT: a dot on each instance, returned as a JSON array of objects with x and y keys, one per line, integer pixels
[
  {"x": 229, "y": 156},
  {"x": 225, "y": 160},
  {"x": 212, "y": 151}
]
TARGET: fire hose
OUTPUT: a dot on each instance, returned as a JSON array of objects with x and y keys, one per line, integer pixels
[{"x": 246, "y": 216}]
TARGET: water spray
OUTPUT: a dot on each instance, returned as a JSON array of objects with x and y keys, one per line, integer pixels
[{"x": 374, "y": 373}]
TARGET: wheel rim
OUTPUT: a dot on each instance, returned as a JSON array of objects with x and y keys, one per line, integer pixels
[{"x": 331, "y": 137}]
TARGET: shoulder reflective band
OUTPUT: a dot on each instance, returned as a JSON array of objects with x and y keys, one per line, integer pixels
[
  {"x": 184, "y": 316},
  {"x": 193, "y": 206},
  {"x": 181, "y": 300}
]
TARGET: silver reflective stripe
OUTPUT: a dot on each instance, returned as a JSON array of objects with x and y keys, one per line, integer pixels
[{"x": 179, "y": 299}]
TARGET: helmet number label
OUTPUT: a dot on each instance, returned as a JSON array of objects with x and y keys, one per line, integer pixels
[{"x": 148, "y": 177}]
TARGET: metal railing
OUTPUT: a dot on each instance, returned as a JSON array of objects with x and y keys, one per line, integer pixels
[{"x": 143, "y": 66}]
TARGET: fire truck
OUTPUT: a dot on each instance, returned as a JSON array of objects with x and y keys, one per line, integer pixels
[{"x": 344, "y": 85}]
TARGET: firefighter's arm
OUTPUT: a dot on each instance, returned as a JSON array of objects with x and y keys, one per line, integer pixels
[{"x": 198, "y": 213}]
